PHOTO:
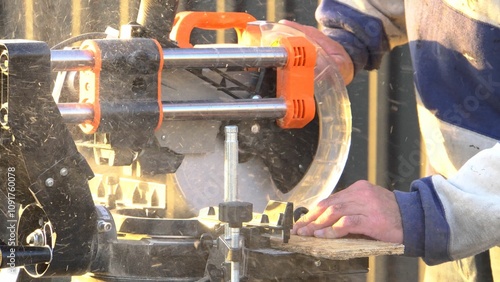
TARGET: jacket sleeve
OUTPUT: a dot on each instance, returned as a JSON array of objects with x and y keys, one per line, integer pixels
[
  {"x": 366, "y": 28},
  {"x": 448, "y": 219}
]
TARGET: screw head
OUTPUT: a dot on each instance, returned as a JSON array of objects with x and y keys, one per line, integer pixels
[
  {"x": 64, "y": 171},
  {"x": 49, "y": 182},
  {"x": 255, "y": 128}
]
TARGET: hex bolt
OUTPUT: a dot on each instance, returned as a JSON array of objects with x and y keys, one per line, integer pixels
[
  {"x": 103, "y": 226},
  {"x": 49, "y": 182},
  {"x": 36, "y": 238},
  {"x": 64, "y": 171}
]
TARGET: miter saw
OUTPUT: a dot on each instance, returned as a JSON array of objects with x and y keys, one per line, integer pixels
[{"x": 148, "y": 159}]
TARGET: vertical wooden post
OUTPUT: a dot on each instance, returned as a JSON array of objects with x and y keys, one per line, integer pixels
[
  {"x": 377, "y": 148},
  {"x": 275, "y": 10},
  {"x": 124, "y": 12},
  {"x": 28, "y": 19},
  {"x": 220, "y": 36},
  {"x": 76, "y": 17}
]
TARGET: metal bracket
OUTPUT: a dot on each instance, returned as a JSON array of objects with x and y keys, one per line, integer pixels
[{"x": 46, "y": 168}]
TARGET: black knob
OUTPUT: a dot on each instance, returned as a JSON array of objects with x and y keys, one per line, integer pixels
[{"x": 235, "y": 213}]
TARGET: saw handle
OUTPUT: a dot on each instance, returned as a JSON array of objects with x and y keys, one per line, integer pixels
[{"x": 185, "y": 22}]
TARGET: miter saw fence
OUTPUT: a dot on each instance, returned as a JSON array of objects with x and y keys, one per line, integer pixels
[{"x": 124, "y": 171}]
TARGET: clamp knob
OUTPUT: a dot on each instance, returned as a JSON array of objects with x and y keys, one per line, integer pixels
[{"x": 235, "y": 213}]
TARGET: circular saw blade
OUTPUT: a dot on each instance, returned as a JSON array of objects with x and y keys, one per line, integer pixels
[{"x": 301, "y": 165}]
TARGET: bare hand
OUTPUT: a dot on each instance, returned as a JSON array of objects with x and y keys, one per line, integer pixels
[
  {"x": 331, "y": 48},
  {"x": 362, "y": 208}
]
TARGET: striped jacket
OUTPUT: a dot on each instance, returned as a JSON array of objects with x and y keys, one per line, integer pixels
[{"x": 455, "y": 48}]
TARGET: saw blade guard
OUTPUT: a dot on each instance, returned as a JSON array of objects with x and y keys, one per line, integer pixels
[
  {"x": 334, "y": 114},
  {"x": 200, "y": 176}
]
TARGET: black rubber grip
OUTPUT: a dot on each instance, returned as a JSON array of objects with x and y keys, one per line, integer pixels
[
  {"x": 157, "y": 16},
  {"x": 16, "y": 256}
]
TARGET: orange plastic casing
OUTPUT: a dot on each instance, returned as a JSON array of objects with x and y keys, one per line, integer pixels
[
  {"x": 295, "y": 82},
  {"x": 89, "y": 87},
  {"x": 185, "y": 22}
]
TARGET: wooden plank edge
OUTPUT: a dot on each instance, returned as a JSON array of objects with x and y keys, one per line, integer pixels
[{"x": 337, "y": 249}]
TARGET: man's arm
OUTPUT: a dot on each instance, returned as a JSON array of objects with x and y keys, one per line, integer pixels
[
  {"x": 460, "y": 215},
  {"x": 439, "y": 220}
]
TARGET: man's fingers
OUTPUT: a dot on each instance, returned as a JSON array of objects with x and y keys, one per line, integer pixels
[
  {"x": 329, "y": 233},
  {"x": 332, "y": 214},
  {"x": 331, "y": 47},
  {"x": 294, "y": 25},
  {"x": 311, "y": 216},
  {"x": 337, "y": 211},
  {"x": 310, "y": 31},
  {"x": 339, "y": 204},
  {"x": 346, "y": 225}
]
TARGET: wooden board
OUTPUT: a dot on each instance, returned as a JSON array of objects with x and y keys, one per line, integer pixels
[{"x": 337, "y": 249}]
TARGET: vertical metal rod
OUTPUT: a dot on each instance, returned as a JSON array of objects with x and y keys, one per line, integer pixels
[
  {"x": 230, "y": 168},
  {"x": 230, "y": 163},
  {"x": 235, "y": 245},
  {"x": 231, "y": 191}
]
